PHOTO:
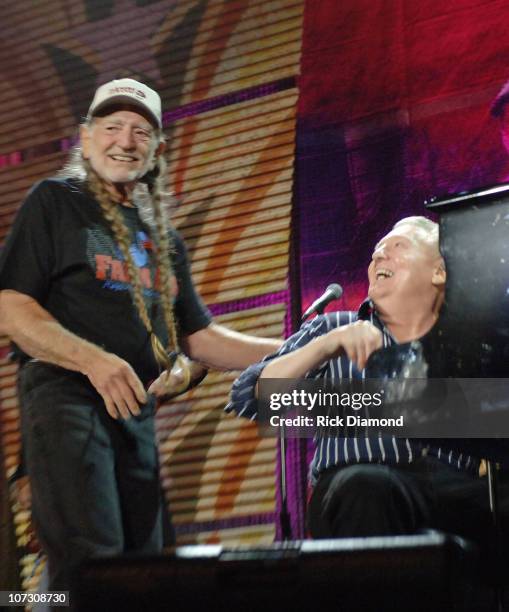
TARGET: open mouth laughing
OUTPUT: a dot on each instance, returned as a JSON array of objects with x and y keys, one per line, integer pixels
[{"x": 383, "y": 273}]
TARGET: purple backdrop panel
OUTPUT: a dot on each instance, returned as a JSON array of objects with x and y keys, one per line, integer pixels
[{"x": 394, "y": 108}]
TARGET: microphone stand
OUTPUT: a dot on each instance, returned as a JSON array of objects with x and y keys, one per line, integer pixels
[{"x": 284, "y": 515}]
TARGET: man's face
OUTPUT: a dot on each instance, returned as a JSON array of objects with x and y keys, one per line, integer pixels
[
  {"x": 404, "y": 266},
  {"x": 121, "y": 146}
]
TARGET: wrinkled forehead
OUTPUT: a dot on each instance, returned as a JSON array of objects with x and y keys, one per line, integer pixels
[{"x": 135, "y": 113}]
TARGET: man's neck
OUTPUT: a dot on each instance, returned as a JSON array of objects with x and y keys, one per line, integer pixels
[{"x": 407, "y": 325}]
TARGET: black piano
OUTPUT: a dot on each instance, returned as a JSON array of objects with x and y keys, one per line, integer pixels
[{"x": 466, "y": 354}]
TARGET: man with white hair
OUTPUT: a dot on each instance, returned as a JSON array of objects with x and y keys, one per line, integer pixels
[
  {"x": 369, "y": 486},
  {"x": 96, "y": 292}
]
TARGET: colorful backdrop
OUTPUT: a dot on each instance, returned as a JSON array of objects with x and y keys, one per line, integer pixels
[
  {"x": 226, "y": 71},
  {"x": 331, "y": 119},
  {"x": 394, "y": 101}
]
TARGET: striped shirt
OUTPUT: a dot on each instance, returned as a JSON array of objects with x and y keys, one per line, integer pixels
[{"x": 339, "y": 451}]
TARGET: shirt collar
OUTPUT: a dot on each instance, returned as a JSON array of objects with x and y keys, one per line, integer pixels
[
  {"x": 367, "y": 312},
  {"x": 366, "y": 309}
]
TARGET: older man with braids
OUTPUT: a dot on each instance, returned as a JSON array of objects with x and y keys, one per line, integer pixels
[{"x": 96, "y": 294}]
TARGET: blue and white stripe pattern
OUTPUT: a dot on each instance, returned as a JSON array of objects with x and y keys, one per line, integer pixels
[{"x": 332, "y": 451}]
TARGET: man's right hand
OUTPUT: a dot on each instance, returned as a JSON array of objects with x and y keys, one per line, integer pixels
[
  {"x": 358, "y": 340},
  {"x": 42, "y": 337},
  {"x": 117, "y": 383}
]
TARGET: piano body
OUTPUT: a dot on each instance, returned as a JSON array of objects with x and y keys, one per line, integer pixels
[
  {"x": 472, "y": 333},
  {"x": 465, "y": 357}
]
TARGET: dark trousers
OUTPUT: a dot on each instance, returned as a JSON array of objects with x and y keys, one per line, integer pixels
[
  {"x": 95, "y": 481},
  {"x": 370, "y": 500}
]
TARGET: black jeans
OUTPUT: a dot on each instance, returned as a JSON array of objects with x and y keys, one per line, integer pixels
[{"x": 95, "y": 481}]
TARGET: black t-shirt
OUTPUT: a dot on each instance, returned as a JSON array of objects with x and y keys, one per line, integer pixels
[{"x": 62, "y": 253}]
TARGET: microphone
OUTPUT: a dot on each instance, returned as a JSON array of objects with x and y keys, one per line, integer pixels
[{"x": 333, "y": 292}]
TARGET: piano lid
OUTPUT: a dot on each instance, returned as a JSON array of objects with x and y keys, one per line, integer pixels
[{"x": 469, "y": 198}]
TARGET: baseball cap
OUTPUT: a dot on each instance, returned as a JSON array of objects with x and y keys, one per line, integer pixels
[{"x": 128, "y": 91}]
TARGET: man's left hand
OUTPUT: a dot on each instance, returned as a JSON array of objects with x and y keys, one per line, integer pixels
[{"x": 169, "y": 383}]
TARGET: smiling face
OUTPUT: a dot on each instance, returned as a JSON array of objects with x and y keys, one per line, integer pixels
[
  {"x": 121, "y": 146},
  {"x": 405, "y": 267}
]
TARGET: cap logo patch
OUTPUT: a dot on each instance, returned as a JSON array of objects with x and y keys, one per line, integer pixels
[{"x": 127, "y": 90}]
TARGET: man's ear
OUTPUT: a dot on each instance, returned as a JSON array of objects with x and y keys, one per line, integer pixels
[
  {"x": 85, "y": 141},
  {"x": 439, "y": 275},
  {"x": 161, "y": 147}
]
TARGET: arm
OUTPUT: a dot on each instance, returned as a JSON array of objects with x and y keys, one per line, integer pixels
[
  {"x": 214, "y": 346},
  {"x": 27, "y": 265},
  {"x": 205, "y": 341},
  {"x": 225, "y": 349},
  {"x": 357, "y": 340},
  {"x": 39, "y": 335},
  {"x": 302, "y": 354}
]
